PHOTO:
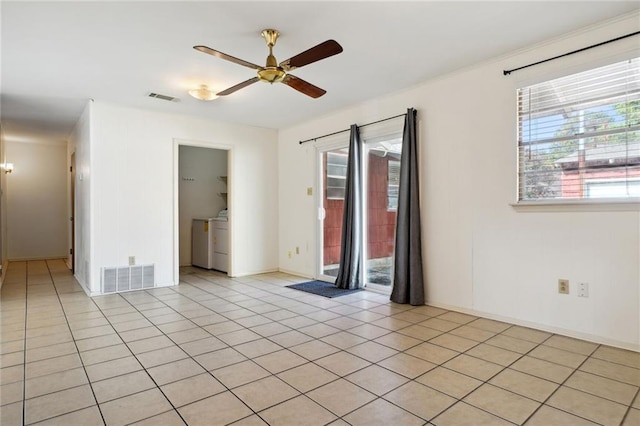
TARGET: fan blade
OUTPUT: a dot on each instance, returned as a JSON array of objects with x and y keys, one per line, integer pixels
[
  {"x": 303, "y": 87},
  {"x": 316, "y": 53},
  {"x": 230, "y": 58},
  {"x": 238, "y": 86}
]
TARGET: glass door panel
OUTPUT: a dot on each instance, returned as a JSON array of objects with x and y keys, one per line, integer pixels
[
  {"x": 333, "y": 172},
  {"x": 382, "y": 172}
]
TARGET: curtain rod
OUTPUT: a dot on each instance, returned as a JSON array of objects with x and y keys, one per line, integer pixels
[
  {"x": 346, "y": 130},
  {"x": 507, "y": 72}
]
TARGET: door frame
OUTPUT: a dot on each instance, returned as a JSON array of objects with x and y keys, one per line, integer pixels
[
  {"x": 369, "y": 139},
  {"x": 176, "y": 200},
  {"x": 333, "y": 144},
  {"x": 72, "y": 170}
]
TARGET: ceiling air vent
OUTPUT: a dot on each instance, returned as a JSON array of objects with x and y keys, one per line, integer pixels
[{"x": 163, "y": 97}]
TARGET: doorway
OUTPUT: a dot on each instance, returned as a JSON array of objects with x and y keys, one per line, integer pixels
[
  {"x": 203, "y": 186},
  {"x": 381, "y": 179},
  {"x": 381, "y": 172},
  {"x": 331, "y": 191}
]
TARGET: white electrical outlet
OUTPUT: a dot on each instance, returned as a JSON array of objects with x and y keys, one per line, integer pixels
[{"x": 583, "y": 289}]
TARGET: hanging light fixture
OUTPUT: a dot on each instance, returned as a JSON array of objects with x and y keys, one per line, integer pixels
[{"x": 203, "y": 93}]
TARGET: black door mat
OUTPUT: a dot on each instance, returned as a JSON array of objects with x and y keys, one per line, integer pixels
[{"x": 322, "y": 288}]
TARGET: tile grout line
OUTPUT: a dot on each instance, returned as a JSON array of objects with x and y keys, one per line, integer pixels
[
  {"x": 477, "y": 343},
  {"x": 74, "y": 343},
  {"x": 338, "y": 377},
  {"x": 560, "y": 385},
  {"x": 298, "y": 309},
  {"x": 282, "y": 348},
  {"x": 257, "y": 413},
  {"x": 507, "y": 367},
  {"x": 410, "y": 380},
  {"x": 194, "y": 360},
  {"x": 143, "y": 367},
  {"x": 544, "y": 403},
  {"x": 446, "y": 332},
  {"x": 630, "y": 407},
  {"x": 376, "y": 363},
  {"x": 483, "y": 382},
  {"x": 272, "y": 374},
  {"x": 440, "y": 364},
  {"x": 24, "y": 354}
]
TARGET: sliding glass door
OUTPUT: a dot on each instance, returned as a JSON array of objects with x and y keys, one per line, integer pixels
[
  {"x": 381, "y": 171},
  {"x": 381, "y": 177},
  {"x": 331, "y": 189}
]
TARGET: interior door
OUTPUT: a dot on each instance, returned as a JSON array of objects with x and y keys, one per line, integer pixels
[{"x": 332, "y": 172}]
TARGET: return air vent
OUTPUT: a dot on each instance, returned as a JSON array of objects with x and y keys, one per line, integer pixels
[
  {"x": 126, "y": 278},
  {"x": 163, "y": 97}
]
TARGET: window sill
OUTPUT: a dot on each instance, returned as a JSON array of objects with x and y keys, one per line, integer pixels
[{"x": 610, "y": 205}]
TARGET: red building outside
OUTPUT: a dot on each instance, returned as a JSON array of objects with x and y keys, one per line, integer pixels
[{"x": 601, "y": 171}]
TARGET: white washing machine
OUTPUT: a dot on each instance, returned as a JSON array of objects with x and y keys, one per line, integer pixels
[
  {"x": 202, "y": 242},
  {"x": 209, "y": 247}
]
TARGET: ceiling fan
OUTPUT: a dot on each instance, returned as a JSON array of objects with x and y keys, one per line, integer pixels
[{"x": 273, "y": 72}]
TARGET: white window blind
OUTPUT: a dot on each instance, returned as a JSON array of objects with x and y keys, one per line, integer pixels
[
  {"x": 579, "y": 131},
  {"x": 336, "y": 175},
  {"x": 393, "y": 184}
]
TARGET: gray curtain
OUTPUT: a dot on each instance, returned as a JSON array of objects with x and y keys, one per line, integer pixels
[
  {"x": 350, "y": 272},
  {"x": 408, "y": 285}
]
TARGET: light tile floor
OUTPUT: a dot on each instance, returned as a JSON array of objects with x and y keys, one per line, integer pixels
[{"x": 249, "y": 351}]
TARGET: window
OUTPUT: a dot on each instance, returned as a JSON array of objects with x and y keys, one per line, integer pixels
[
  {"x": 336, "y": 175},
  {"x": 579, "y": 135},
  {"x": 612, "y": 188},
  {"x": 393, "y": 184}
]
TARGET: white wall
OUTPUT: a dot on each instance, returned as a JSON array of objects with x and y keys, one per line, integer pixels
[
  {"x": 199, "y": 187},
  {"x": 36, "y": 197},
  {"x": 134, "y": 165},
  {"x": 80, "y": 144},
  {"x": 480, "y": 254}
]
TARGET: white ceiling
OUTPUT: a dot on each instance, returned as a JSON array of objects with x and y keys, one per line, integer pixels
[{"x": 57, "y": 55}]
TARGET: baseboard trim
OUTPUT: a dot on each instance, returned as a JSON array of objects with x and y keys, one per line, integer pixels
[
  {"x": 551, "y": 329},
  {"x": 3, "y": 273},
  {"x": 246, "y": 274},
  {"x": 296, "y": 273}
]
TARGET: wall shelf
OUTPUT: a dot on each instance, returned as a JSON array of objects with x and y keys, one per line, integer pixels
[{"x": 223, "y": 194}]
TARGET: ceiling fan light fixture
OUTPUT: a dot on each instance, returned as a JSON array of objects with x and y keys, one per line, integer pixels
[
  {"x": 272, "y": 74},
  {"x": 203, "y": 93}
]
